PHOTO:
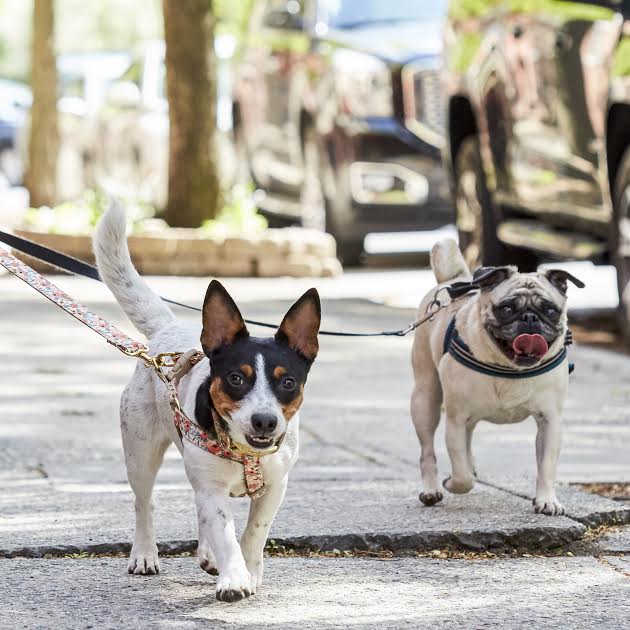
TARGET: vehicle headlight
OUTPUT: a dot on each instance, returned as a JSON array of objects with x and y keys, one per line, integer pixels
[{"x": 364, "y": 84}]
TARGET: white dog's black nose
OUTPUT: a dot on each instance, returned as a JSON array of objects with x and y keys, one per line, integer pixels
[{"x": 264, "y": 422}]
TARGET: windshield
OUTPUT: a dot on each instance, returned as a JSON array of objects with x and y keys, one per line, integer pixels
[{"x": 356, "y": 13}]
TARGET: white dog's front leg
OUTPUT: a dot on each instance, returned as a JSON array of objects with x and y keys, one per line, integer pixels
[
  {"x": 462, "y": 479},
  {"x": 217, "y": 537},
  {"x": 548, "y": 440},
  {"x": 262, "y": 511}
]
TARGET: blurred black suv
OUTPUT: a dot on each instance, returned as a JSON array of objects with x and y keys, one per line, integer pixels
[
  {"x": 338, "y": 115},
  {"x": 538, "y": 128}
]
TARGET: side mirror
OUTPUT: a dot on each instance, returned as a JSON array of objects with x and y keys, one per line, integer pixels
[{"x": 124, "y": 95}]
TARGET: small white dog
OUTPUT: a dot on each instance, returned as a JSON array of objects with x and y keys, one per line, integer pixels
[
  {"x": 495, "y": 354},
  {"x": 252, "y": 387}
]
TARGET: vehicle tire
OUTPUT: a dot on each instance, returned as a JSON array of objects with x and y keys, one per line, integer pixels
[
  {"x": 476, "y": 218},
  {"x": 620, "y": 245},
  {"x": 316, "y": 208}
]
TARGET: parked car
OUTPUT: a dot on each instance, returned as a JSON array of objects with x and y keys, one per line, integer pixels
[
  {"x": 133, "y": 127},
  {"x": 84, "y": 80},
  {"x": 538, "y": 122},
  {"x": 338, "y": 115},
  {"x": 15, "y": 100}
]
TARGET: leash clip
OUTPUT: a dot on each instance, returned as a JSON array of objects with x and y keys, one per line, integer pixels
[{"x": 157, "y": 362}]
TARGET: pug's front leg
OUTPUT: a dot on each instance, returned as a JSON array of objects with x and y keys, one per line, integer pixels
[
  {"x": 462, "y": 478},
  {"x": 217, "y": 537},
  {"x": 548, "y": 440},
  {"x": 262, "y": 512}
]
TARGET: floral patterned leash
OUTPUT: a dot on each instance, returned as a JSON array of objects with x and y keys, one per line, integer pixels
[{"x": 181, "y": 363}]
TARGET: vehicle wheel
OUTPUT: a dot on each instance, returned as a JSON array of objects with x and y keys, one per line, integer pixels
[
  {"x": 350, "y": 252},
  {"x": 476, "y": 220},
  {"x": 316, "y": 208},
  {"x": 620, "y": 246}
]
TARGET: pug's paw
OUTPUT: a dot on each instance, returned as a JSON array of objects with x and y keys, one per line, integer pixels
[{"x": 548, "y": 505}]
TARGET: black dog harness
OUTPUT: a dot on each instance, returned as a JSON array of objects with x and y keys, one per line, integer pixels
[{"x": 459, "y": 350}]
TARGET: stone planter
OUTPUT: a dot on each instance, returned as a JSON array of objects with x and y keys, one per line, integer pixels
[{"x": 185, "y": 252}]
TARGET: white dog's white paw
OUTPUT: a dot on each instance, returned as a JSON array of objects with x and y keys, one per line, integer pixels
[
  {"x": 256, "y": 572},
  {"x": 207, "y": 561},
  {"x": 459, "y": 486},
  {"x": 256, "y": 582},
  {"x": 234, "y": 585},
  {"x": 144, "y": 560},
  {"x": 548, "y": 505}
]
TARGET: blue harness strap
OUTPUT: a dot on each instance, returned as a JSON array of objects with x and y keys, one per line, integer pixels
[{"x": 459, "y": 350}]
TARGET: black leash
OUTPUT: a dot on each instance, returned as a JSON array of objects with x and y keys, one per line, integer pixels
[{"x": 77, "y": 267}]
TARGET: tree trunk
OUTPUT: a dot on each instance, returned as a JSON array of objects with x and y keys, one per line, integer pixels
[
  {"x": 43, "y": 146},
  {"x": 193, "y": 185}
]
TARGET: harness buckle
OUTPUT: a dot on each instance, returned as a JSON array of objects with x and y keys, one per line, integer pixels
[{"x": 159, "y": 361}]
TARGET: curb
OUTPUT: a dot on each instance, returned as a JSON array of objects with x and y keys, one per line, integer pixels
[
  {"x": 292, "y": 252},
  {"x": 527, "y": 539}
]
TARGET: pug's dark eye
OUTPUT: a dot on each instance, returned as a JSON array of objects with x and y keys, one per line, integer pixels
[
  {"x": 552, "y": 312},
  {"x": 234, "y": 379},
  {"x": 288, "y": 383},
  {"x": 507, "y": 310}
]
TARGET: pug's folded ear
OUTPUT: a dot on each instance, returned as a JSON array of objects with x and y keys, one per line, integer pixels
[
  {"x": 558, "y": 278},
  {"x": 489, "y": 277}
]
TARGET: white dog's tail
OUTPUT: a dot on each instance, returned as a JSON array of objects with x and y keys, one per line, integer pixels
[
  {"x": 447, "y": 261},
  {"x": 143, "y": 307}
]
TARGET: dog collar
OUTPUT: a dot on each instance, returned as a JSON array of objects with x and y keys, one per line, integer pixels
[
  {"x": 252, "y": 470},
  {"x": 223, "y": 446},
  {"x": 459, "y": 350}
]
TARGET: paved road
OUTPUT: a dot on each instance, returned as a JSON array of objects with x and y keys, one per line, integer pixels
[
  {"x": 323, "y": 593},
  {"x": 355, "y": 486}
]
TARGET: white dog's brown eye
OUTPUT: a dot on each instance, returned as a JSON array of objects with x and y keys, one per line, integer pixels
[
  {"x": 506, "y": 310},
  {"x": 234, "y": 379},
  {"x": 289, "y": 383}
]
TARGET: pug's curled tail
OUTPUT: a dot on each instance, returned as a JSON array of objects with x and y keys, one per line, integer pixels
[
  {"x": 447, "y": 262},
  {"x": 144, "y": 308}
]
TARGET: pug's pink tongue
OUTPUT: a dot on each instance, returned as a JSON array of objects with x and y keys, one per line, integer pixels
[{"x": 533, "y": 345}]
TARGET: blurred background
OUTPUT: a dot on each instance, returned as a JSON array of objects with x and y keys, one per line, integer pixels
[{"x": 385, "y": 123}]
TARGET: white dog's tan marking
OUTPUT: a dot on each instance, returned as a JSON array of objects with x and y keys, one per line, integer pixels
[{"x": 534, "y": 308}]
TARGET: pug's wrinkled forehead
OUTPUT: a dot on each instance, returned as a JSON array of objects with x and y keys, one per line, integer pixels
[{"x": 497, "y": 282}]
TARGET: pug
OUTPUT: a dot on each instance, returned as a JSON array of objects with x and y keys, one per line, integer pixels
[{"x": 509, "y": 324}]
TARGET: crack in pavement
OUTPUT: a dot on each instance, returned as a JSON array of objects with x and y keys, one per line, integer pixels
[{"x": 605, "y": 562}]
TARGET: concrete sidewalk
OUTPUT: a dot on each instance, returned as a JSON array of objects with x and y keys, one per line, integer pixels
[
  {"x": 303, "y": 593},
  {"x": 355, "y": 486}
]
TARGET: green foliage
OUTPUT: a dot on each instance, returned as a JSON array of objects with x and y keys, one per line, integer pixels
[
  {"x": 80, "y": 26},
  {"x": 239, "y": 217},
  {"x": 621, "y": 62},
  {"x": 564, "y": 10},
  {"x": 233, "y": 14},
  {"x": 79, "y": 217}
]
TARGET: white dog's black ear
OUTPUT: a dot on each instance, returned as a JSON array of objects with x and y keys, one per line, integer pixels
[
  {"x": 222, "y": 321},
  {"x": 558, "y": 278},
  {"x": 490, "y": 277},
  {"x": 300, "y": 325}
]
